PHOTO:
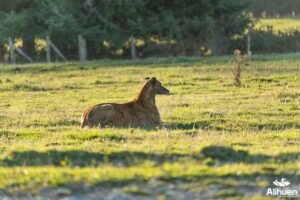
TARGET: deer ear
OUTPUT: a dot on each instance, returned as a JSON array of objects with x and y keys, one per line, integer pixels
[{"x": 153, "y": 78}]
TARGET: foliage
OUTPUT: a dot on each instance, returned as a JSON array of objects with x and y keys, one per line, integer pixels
[
  {"x": 19, "y": 19},
  {"x": 230, "y": 23},
  {"x": 275, "y": 8},
  {"x": 113, "y": 22},
  {"x": 271, "y": 36}
]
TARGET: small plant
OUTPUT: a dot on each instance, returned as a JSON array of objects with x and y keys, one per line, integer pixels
[{"x": 241, "y": 59}]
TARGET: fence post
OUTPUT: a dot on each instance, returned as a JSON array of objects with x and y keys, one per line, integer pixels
[
  {"x": 20, "y": 51},
  {"x": 48, "y": 49},
  {"x": 1, "y": 53},
  {"x": 57, "y": 51},
  {"x": 248, "y": 43},
  {"x": 11, "y": 51},
  {"x": 132, "y": 47},
  {"x": 82, "y": 48}
]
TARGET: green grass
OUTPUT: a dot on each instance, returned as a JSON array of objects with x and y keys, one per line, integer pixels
[
  {"x": 221, "y": 140},
  {"x": 279, "y": 24}
]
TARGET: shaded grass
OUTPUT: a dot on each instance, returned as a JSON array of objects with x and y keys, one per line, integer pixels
[{"x": 73, "y": 158}]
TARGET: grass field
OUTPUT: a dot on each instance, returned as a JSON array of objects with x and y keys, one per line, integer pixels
[
  {"x": 279, "y": 24},
  {"x": 221, "y": 141}
]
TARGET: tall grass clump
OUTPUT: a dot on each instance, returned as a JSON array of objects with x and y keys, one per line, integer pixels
[{"x": 241, "y": 60}]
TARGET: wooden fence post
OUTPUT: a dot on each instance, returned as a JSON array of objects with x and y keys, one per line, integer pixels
[
  {"x": 12, "y": 51},
  {"x": 133, "y": 47},
  {"x": 20, "y": 51},
  {"x": 1, "y": 53},
  {"x": 12, "y": 48},
  {"x": 57, "y": 51},
  {"x": 48, "y": 49},
  {"x": 248, "y": 43},
  {"x": 82, "y": 48}
]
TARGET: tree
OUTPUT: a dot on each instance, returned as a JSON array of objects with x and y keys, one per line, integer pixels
[
  {"x": 19, "y": 20},
  {"x": 230, "y": 20},
  {"x": 107, "y": 25}
]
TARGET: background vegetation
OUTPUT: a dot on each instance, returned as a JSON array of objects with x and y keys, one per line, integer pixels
[
  {"x": 190, "y": 27},
  {"x": 273, "y": 36},
  {"x": 161, "y": 28},
  {"x": 275, "y": 8}
]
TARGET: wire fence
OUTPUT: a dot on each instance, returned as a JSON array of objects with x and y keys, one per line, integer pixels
[
  {"x": 47, "y": 49},
  {"x": 28, "y": 49}
]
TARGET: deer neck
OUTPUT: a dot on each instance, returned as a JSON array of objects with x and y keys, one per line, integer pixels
[{"x": 146, "y": 98}]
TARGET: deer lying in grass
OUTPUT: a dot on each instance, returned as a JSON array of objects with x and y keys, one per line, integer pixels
[{"x": 142, "y": 111}]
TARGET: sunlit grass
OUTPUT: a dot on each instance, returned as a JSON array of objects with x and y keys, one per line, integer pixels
[
  {"x": 215, "y": 134},
  {"x": 279, "y": 24}
]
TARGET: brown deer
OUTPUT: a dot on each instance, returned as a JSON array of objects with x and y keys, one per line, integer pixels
[{"x": 142, "y": 111}]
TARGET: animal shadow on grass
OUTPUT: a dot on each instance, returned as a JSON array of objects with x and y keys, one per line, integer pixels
[
  {"x": 217, "y": 126},
  {"x": 81, "y": 158},
  {"x": 203, "y": 124}
]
